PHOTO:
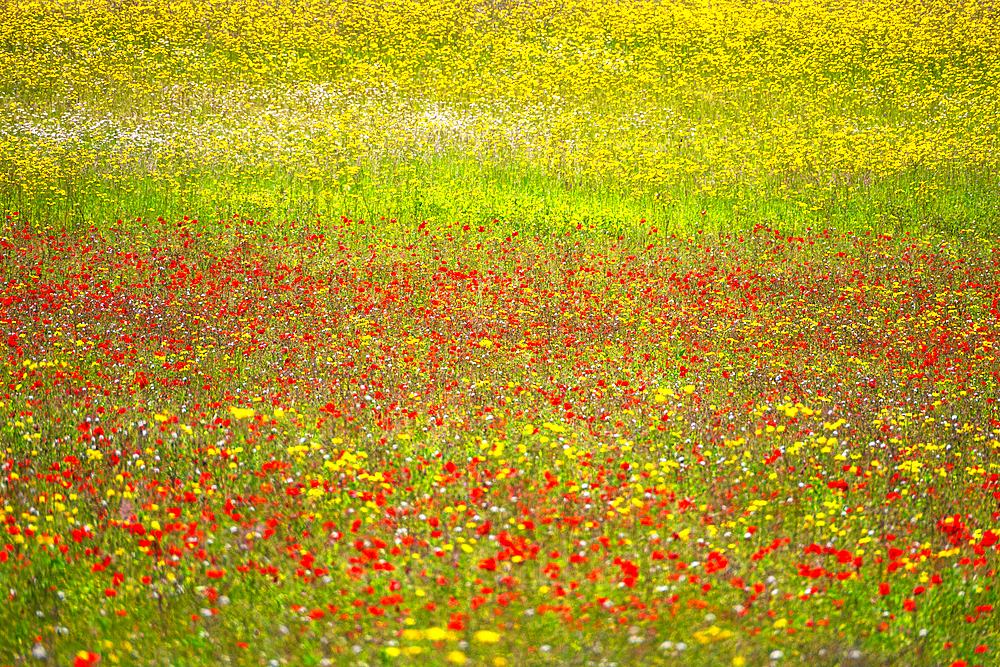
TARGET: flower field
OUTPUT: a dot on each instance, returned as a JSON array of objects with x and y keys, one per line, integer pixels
[{"x": 494, "y": 333}]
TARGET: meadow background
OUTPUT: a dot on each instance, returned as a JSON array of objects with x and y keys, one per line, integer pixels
[{"x": 490, "y": 333}]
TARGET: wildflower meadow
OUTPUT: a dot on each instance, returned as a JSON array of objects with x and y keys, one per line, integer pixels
[{"x": 499, "y": 333}]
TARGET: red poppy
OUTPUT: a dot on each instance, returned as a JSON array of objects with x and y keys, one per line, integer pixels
[{"x": 86, "y": 659}]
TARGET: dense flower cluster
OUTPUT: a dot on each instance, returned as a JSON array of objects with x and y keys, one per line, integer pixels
[
  {"x": 314, "y": 441},
  {"x": 610, "y": 111}
]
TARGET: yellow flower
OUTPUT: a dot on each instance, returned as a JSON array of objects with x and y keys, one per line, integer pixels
[
  {"x": 487, "y": 637},
  {"x": 436, "y": 634},
  {"x": 241, "y": 413},
  {"x": 392, "y": 651},
  {"x": 456, "y": 657}
]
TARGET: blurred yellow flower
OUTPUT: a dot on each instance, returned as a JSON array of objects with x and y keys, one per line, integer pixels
[
  {"x": 241, "y": 413},
  {"x": 436, "y": 634}
]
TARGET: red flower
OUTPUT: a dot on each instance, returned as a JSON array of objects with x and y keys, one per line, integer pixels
[
  {"x": 909, "y": 605},
  {"x": 883, "y": 589},
  {"x": 86, "y": 659},
  {"x": 981, "y": 648},
  {"x": 110, "y": 592},
  {"x": 215, "y": 574}
]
